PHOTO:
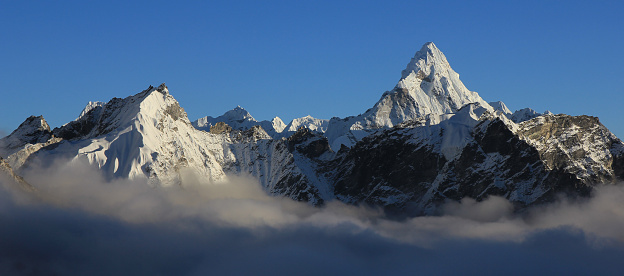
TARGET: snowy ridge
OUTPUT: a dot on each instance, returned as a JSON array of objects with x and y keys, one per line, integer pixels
[
  {"x": 308, "y": 122},
  {"x": 239, "y": 119},
  {"x": 526, "y": 114},
  {"x": 500, "y": 106}
]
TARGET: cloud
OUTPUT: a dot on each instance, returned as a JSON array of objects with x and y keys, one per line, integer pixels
[{"x": 79, "y": 223}]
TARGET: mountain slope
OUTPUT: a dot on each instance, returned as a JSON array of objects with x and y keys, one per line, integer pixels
[{"x": 406, "y": 170}]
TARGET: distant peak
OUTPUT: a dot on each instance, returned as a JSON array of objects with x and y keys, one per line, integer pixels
[
  {"x": 90, "y": 106},
  {"x": 500, "y": 106},
  {"x": 35, "y": 122},
  {"x": 238, "y": 113}
]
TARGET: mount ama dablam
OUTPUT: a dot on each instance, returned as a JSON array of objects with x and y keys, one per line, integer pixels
[{"x": 427, "y": 141}]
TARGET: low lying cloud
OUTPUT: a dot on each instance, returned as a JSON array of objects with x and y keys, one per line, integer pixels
[{"x": 79, "y": 223}]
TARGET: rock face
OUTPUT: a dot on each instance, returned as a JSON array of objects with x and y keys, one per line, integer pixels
[
  {"x": 579, "y": 145},
  {"x": 220, "y": 127},
  {"x": 427, "y": 141},
  {"x": 495, "y": 161}
]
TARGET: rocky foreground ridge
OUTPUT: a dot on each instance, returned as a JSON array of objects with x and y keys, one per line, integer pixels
[{"x": 426, "y": 141}]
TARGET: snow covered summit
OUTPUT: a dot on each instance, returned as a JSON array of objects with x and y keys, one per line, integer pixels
[
  {"x": 33, "y": 130},
  {"x": 240, "y": 119},
  {"x": 428, "y": 86}
]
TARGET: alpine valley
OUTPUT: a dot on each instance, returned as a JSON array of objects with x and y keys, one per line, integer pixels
[{"x": 427, "y": 141}]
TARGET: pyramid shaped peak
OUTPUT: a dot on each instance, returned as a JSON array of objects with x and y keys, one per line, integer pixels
[
  {"x": 428, "y": 59},
  {"x": 35, "y": 122}
]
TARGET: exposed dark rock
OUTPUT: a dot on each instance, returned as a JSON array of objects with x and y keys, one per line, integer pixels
[
  {"x": 389, "y": 170},
  {"x": 308, "y": 143},
  {"x": 220, "y": 127},
  {"x": 175, "y": 111}
]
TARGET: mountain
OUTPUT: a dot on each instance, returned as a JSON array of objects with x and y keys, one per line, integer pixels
[
  {"x": 32, "y": 131},
  {"x": 425, "y": 142},
  {"x": 308, "y": 122},
  {"x": 428, "y": 87},
  {"x": 500, "y": 106},
  {"x": 526, "y": 114},
  {"x": 147, "y": 135},
  {"x": 478, "y": 154},
  {"x": 238, "y": 118}
]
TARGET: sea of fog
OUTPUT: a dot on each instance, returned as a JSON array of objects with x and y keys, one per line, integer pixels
[{"x": 77, "y": 223}]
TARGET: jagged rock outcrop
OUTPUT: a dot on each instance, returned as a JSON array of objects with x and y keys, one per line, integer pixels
[{"x": 220, "y": 127}]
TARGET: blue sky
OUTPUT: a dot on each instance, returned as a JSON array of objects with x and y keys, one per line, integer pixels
[{"x": 291, "y": 59}]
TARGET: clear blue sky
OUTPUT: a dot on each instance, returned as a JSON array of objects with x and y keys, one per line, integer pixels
[{"x": 295, "y": 58}]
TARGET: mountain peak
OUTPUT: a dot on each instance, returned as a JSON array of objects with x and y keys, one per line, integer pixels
[
  {"x": 237, "y": 114},
  {"x": 429, "y": 55},
  {"x": 33, "y": 130},
  {"x": 148, "y": 106},
  {"x": 428, "y": 86}
]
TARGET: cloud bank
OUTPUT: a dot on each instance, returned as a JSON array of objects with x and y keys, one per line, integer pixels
[{"x": 79, "y": 223}]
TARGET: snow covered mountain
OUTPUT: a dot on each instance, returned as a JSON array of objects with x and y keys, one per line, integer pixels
[
  {"x": 426, "y": 141},
  {"x": 239, "y": 119},
  {"x": 148, "y": 136},
  {"x": 308, "y": 122},
  {"x": 32, "y": 131},
  {"x": 428, "y": 87}
]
